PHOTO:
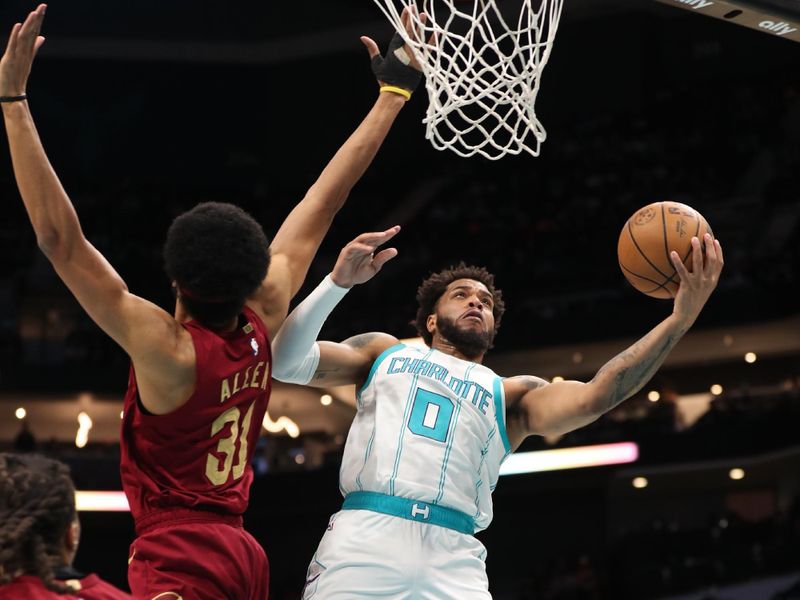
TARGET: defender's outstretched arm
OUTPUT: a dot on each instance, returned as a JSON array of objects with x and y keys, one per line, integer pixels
[
  {"x": 557, "y": 408},
  {"x": 301, "y": 234},
  {"x": 88, "y": 275}
]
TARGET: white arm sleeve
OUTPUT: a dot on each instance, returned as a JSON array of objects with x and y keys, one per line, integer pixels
[{"x": 295, "y": 352}]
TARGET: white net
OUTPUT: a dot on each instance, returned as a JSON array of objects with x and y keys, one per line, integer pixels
[{"x": 482, "y": 70}]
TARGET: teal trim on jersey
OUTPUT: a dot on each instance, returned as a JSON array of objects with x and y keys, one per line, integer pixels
[
  {"x": 366, "y": 458},
  {"x": 381, "y": 357},
  {"x": 500, "y": 413},
  {"x": 447, "y": 454},
  {"x": 484, "y": 452},
  {"x": 412, "y": 390},
  {"x": 413, "y": 510},
  {"x": 449, "y": 448}
]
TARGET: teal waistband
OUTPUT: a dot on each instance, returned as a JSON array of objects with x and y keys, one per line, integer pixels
[{"x": 413, "y": 510}]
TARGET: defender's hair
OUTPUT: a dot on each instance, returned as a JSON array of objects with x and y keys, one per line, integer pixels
[
  {"x": 218, "y": 255},
  {"x": 432, "y": 288},
  {"x": 37, "y": 506}
]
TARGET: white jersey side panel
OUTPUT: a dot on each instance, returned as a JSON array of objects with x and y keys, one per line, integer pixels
[{"x": 429, "y": 427}]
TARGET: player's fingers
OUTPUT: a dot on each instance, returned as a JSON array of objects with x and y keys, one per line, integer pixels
[
  {"x": 413, "y": 26},
  {"x": 38, "y": 44},
  {"x": 372, "y": 47},
  {"x": 405, "y": 18},
  {"x": 388, "y": 234},
  {"x": 382, "y": 257},
  {"x": 369, "y": 239},
  {"x": 376, "y": 238},
  {"x": 683, "y": 272},
  {"x": 710, "y": 253},
  {"x": 40, "y": 11},
  {"x": 720, "y": 257},
  {"x": 355, "y": 250},
  {"x": 697, "y": 256},
  {"x": 12, "y": 39},
  {"x": 32, "y": 25},
  {"x": 39, "y": 18},
  {"x": 433, "y": 40},
  {"x": 423, "y": 21},
  {"x": 418, "y": 32}
]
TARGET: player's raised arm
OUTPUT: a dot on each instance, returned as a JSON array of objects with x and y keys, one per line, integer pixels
[
  {"x": 93, "y": 281},
  {"x": 298, "y": 239},
  {"x": 557, "y": 408},
  {"x": 298, "y": 357}
]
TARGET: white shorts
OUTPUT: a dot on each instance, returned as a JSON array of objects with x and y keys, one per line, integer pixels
[{"x": 365, "y": 554}]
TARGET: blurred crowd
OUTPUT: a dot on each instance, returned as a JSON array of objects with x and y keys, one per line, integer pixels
[
  {"x": 663, "y": 558},
  {"x": 548, "y": 231}
]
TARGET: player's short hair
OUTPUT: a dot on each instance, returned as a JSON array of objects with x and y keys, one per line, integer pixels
[
  {"x": 217, "y": 255},
  {"x": 432, "y": 288},
  {"x": 37, "y": 506}
]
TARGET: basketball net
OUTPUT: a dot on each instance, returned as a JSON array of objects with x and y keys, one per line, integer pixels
[{"x": 482, "y": 71}]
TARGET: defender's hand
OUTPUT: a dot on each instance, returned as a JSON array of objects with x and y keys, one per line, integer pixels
[
  {"x": 358, "y": 262},
  {"x": 23, "y": 43},
  {"x": 696, "y": 287},
  {"x": 399, "y": 67}
]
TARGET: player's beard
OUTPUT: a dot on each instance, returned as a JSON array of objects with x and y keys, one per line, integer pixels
[{"x": 469, "y": 342}]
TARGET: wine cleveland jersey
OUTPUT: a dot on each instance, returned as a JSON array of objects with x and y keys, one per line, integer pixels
[{"x": 198, "y": 456}]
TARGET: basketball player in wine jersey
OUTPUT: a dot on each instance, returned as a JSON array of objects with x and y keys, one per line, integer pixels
[
  {"x": 200, "y": 379},
  {"x": 40, "y": 534},
  {"x": 433, "y": 425}
]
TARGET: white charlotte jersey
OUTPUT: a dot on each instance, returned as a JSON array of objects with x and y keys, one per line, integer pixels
[{"x": 429, "y": 427}]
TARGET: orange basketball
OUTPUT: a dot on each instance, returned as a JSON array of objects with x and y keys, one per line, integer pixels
[{"x": 647, "y": 239}]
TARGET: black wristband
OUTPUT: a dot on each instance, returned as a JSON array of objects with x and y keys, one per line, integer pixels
[
  {"x": 13, "y": 98},
  {"x": 392, "y": 71}
]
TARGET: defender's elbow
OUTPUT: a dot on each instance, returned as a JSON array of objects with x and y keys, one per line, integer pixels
[{"x": 51, "y": 244}]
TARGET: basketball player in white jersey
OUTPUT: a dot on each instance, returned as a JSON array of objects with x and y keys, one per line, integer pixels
[{"x": 433, "y": 424}]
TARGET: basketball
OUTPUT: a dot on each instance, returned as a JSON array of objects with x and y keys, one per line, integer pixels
[{"x": 648, "y": 238}]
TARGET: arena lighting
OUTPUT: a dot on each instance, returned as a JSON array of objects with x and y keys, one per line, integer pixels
[
  {"x": 716, "y": 389},
  {"x": 84, "y": 425},
  {"x": 325, "y": 399},
  {"x": 736, "y": 474},
  {"x": 640, "y": 482},
  {"x": 750, "y": 357},
  {"x": 653, "y": 396},
  {"x": 570, "y": 458},
  {"x": 101, "y": 502},
  {"x": 524, "y": 462},
  {"x": 20, "y": 413},
  {"x": 283, "y": 423},
  {"x": 557, "y": 379}
]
